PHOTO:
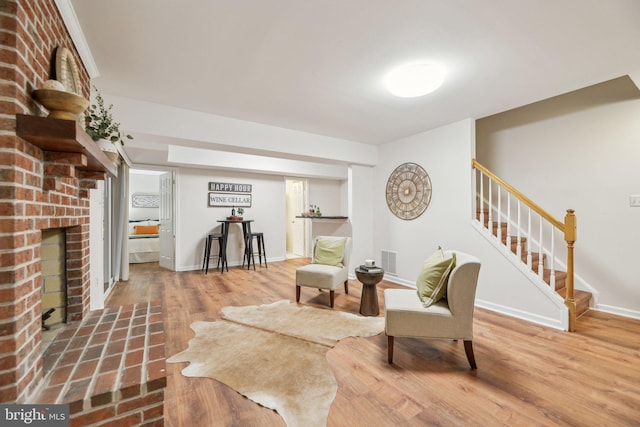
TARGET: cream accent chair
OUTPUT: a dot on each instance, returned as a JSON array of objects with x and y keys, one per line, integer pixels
[
  {"x": 450, "y": 318},
  {"x": 325, "y": 276}
]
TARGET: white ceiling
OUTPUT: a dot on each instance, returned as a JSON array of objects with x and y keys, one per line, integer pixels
[{"x": 317, "y": 66}]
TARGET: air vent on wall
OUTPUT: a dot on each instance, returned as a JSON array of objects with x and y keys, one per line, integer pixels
[{"x": 389, "y": 262}]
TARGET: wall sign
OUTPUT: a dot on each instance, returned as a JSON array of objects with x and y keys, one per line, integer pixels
[
  {"x": 145, "y": 200},
  {"x": 224, "y": 187},
  {"x": 229, "y": 200}
]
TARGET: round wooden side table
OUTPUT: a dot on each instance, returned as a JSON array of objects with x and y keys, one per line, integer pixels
[{"x": 369, "y": 299}]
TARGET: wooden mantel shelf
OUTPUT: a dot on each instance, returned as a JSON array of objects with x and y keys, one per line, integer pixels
[{"x": 64, "y": 136}]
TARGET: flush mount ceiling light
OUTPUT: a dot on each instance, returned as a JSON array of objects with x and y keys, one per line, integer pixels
[{"x": 414, "y": 79}]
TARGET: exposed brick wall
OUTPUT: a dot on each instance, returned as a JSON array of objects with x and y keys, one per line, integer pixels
[{"x": 37, "y": 191}]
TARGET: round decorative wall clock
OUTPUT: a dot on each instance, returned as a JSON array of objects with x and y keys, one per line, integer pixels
[{"x": 408, "y": 191}]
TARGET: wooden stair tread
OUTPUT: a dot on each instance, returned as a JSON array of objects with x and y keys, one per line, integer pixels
[
  {"x": 561, "y": 277},
  {"x": 582, "y": 298},
  {"x": 535, "y": 256}
]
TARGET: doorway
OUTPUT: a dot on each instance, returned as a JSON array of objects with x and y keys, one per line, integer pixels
[
  {"x": 297, "y": 228},
  {"x": 151, "y": 195}
]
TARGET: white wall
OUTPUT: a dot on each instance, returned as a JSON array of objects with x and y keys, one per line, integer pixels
[
  {"x": 96, "y": 246},
  {"x": 268, "y": 210},
  {"x": 446, "y": 154},
  {"x": 580, "y": 151},
  {"x": 361, "y": 213},
  {"x": 327, "y": 194},
  {"x": 143, "y": 183}
]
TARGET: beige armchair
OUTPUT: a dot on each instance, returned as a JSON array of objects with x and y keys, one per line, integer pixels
[
  {"x": 323, "y": 276},
  {"x": 450, "y": 318}
]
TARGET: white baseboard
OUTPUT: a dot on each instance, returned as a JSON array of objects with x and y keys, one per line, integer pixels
[
  {"x": 625, "y": 312},
  {"x": 530, "y": 317},
  {"x": 189, "y": 268},
  {"x": 395, "y": 279},
  {"x": 231, "y": 264}
]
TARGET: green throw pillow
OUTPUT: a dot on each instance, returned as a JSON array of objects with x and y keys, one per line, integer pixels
[
  {"x": 329, "y": 252},
  {"x": 432, "y": 280}
]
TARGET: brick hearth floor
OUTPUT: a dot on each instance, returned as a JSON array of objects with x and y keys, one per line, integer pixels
[{"x": 109, "y": 368}]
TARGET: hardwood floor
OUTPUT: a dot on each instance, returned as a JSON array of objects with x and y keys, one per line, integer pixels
[{"x": 528, "y": 375}]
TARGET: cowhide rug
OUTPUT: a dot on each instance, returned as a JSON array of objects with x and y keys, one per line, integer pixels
[{"x": 275, "y": 354}]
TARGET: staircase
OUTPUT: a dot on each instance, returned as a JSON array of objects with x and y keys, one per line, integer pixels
[
  {"x": 582, "y": 298},
  {"x": 533, "y": 235}
]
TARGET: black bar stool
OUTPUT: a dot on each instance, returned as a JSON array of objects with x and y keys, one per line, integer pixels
[
  {"x": 222, "y": 259},
  {"x": 261, "y": 251}
]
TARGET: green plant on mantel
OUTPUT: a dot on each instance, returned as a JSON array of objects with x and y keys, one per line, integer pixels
[{"x": 99, "y": 123}]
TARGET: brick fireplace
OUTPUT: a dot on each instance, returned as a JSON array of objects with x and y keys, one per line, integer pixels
[
  {"x": 39, "y": 190},
  {"x": 47, "y": 167}
]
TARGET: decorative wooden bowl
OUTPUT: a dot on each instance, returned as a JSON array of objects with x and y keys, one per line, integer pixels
[
  {"x": 61, "y": 104},
  {"x": 234, "y": 218}
]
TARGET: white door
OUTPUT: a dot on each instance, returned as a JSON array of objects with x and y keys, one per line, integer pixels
[
  {"x": 167, "y": 237},
  {"x": 296, "y": 229}
]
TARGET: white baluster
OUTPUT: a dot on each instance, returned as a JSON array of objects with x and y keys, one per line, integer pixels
[
  {"x": 499, "y": 215},
  {"x": 490, "y": 203},
  {"x": 508, "y": 239},
  {"x": 529, "y": 261},
  {"x": 481, "y": 198},
  {"x": 519, "y": 238},
  {"x": 552, "y": 277},
  {"x": 540, "y": 269}
]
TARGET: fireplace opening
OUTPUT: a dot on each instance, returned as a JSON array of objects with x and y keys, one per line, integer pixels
[{"x": 54, "y": 283}]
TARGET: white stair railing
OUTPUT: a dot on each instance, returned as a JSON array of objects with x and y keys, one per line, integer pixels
[{"x": 491, "y": 190}]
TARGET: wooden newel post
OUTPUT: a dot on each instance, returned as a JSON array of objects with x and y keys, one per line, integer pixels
[{"x": 570, "y": 231}]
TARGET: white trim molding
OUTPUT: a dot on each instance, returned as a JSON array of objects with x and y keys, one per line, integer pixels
[
  {"x": 561, "y": 323},
  {"x": 619, "y": 311},
  {"x": 77, "y": 35}
]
